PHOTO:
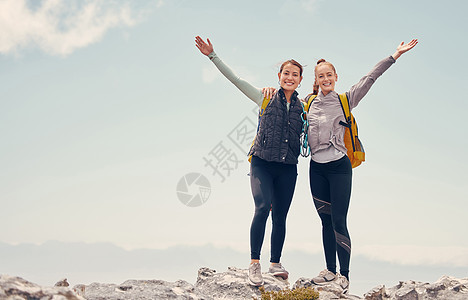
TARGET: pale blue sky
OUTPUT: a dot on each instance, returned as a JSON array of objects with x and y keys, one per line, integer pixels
[{"x": 105, "y": 106}]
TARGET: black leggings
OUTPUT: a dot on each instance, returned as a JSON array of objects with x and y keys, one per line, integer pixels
[
  {"x": 272, "y": 186},
  {"x": 330, "y": 184}
]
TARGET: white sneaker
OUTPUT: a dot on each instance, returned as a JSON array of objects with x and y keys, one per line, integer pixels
[
  {"x": 343, "y": 283},
  {"x": 276, "y": 269},
  {"x": 255, "y": 274},
  {"x": 324, "y": 277}
]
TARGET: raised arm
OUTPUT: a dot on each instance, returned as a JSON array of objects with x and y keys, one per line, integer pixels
[
  {"x": 254, "y": 93},
  {"x": 359, "y": 90},
  {"x": 205, "y": 48},
  {"x": 402, "y": 48}
]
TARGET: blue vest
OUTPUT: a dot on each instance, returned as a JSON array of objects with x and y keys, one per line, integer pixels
[{"x": 279, "y": 131}]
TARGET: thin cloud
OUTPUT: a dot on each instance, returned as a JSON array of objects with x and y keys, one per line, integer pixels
[
  {"x": 309, "y": 5},
  {"x": 160, "y": 4},
  {"x": 59, "y": 27},
  {"x": 417, "y": 255},
  {"x": 293, "y": 6},
  {"x": 209, "y": 74}
]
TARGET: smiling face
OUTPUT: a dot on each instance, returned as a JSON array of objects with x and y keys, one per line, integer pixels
[
  {"x": 326, "y": 77},
  {"x": 290, "y": 77}
]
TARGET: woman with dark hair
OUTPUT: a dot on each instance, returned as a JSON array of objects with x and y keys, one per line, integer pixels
[{"x": 274, "y": 157}]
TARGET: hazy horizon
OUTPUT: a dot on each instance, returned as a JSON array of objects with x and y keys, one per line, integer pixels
[{"x": 85, "y": 263}]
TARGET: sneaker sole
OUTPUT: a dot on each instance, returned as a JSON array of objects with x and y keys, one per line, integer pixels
[
  {"x": 255, "y": 284},
  {"x": 281, "y": 274},
  {"x": 345, "y": 290},
  {"x": 323, "y": 283}
]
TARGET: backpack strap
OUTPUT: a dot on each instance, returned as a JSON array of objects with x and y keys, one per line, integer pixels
[
  {"x": 348, "y": 117},
  {"x": 345, "y": 107},
  {"x": 260, "y": 114},
  {"x": 264, "y": 105},
  {"x": 262, "y": 111},
  {"x": 308, "y": 102}
]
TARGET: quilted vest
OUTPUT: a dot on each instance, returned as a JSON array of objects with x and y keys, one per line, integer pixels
[{"x": 278, "y": 132}]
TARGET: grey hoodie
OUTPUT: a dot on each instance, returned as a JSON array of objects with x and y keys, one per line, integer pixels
[{"x": 325, "y": 132}]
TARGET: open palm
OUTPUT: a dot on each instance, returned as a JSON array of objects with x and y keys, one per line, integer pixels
[
  {"x": 402, "y": 48},
  {"x": 205, "y": 48}
]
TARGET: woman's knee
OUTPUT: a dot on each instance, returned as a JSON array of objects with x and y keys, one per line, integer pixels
[
  {"x": 262, "y": 210},
  {"x": 278, "y": 220},
  {"x": 326, "y": 220},
  {"x": 340, "y": 225}
]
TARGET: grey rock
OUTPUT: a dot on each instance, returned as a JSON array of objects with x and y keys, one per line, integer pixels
[
  {"x": 445, "y": 288},
  {"x": 408, "y": 292},
  {"x": 377, "y": 293},
  {"x": 231, "y": 284},
  {"x": 139, "y": 289},
  {"x": 62, "y": 282},
  {"x": 17, "y": 288}
]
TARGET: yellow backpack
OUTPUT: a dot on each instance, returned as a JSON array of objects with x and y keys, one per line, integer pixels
[
  {"x": 260, "y": 114},
  {"x": 355, "y": 148}
]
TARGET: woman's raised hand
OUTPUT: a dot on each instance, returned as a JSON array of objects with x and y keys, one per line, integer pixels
[
  {"x": 202, "y": 46},
  {"x": 402, "y": 48}
]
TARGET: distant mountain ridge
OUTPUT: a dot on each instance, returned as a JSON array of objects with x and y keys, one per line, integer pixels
[{"x": 85, "y": 263}]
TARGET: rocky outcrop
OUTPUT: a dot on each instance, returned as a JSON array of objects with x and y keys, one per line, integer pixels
[
  {"x": 445, "y": 288},
  {"x": 16, "y": 288},
  {"x": 326, "y": 292},
  {"x": 139, "y": 289},
  {"x": 231, "y": 284}
]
